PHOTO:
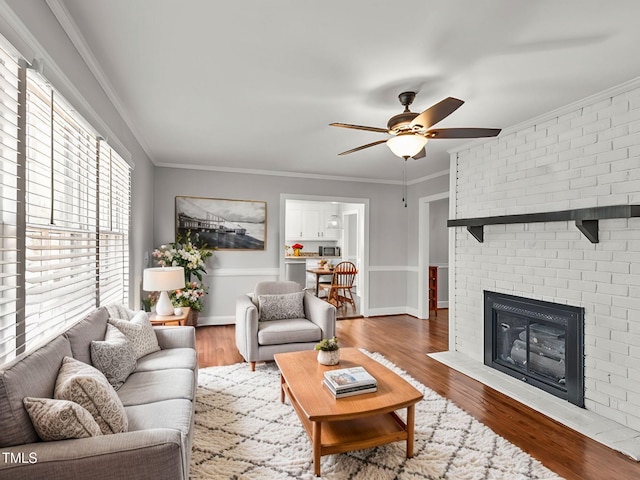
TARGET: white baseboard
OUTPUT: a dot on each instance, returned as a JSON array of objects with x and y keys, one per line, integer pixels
[
  {"x": 374, "y": 312},
  {"x": 217, "y": 320}
]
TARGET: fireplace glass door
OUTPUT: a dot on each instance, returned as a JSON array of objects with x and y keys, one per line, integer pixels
[
  {"x": 534, "y": 348},
  {"x": 538, "y": 342}
]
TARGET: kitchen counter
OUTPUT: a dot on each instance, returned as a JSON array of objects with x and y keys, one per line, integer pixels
[{"x": 296, "y": 268}]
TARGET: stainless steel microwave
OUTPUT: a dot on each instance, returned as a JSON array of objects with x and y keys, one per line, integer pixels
[{"x": 329, "y": 251}]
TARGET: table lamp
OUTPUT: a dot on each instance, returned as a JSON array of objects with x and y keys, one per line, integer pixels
[{"x": 161, "y": 279}]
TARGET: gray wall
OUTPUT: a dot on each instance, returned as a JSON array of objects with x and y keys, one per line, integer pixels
[
  {"x": 438, "y": 233},
  {"x": 37, "y": 34},
  {"x": 230, "y": 273}
]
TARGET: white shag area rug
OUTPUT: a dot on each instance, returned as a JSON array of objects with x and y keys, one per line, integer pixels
[{"x": 242, "y": 431}]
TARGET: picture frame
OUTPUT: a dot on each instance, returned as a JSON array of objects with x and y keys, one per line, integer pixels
[{"x": 221, "y": 223}]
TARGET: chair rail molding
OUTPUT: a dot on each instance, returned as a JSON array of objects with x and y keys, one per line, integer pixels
[{"x": 243, "y": 272}]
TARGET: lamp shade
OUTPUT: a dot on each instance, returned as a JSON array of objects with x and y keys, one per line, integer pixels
[
  {"x": 161, "y": 279},
  {"x": 406, "y": 145}
]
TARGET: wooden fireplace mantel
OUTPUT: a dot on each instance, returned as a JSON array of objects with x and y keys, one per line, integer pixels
[{"x": 586, "y": 219}]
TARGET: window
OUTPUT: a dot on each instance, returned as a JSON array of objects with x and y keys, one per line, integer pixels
[
  {"x": 61, "y": 220},
  {"x": 9, "y": 178},
  {"x": 114, "y": 192},
  {"x": 73, "y": 229}
]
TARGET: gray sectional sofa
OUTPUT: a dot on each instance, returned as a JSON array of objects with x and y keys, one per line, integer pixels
[{"x": 158, "y": 398}]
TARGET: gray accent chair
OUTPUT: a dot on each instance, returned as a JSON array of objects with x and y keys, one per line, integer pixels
[{"x": 259, "y": 340}]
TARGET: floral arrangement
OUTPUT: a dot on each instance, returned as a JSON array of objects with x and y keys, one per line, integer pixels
[
  {"x": 328, "y": 345},
  {"x": 184, "y": 253},
  {"x": 192, "y": 295}
]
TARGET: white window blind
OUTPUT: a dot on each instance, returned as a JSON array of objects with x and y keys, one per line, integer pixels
[
  {"x": 65, "y": 202},
  {"x": 61, "y": 214},
  {"x": 114, "y": 192},
  {"x": 9, "y": 176}
]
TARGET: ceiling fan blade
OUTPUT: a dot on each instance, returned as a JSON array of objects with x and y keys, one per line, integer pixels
[
  {"x": 421, "y": 154},
  {"x": 360, "y": 127},
  {"x": 462, "y": 132},
  {"x": 373, "y": 144},
  {"x": 437, "y": 112}
]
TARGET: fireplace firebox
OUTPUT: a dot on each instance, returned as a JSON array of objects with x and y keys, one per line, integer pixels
[{"x": 538, "y": 342}]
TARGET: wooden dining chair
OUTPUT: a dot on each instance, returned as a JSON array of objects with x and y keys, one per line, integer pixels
[{"x": 340, "y": 288}]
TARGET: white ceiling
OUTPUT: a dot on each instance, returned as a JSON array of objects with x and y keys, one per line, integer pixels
[{"x": 253, "y": 84}]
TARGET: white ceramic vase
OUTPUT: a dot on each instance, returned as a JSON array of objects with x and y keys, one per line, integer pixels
[{"x": 329, "y": 357}]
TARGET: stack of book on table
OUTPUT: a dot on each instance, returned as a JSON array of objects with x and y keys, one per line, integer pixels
[{"x": 349, "y": 381}]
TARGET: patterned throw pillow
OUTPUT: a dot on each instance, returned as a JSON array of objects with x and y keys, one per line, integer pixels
[
  {"x": 117, "y": 310},
  {"x": 280, "y": 307},
  {"x": 139, "y": 332},
  {"x": 88, "y": 387},
  {"x": 60, "y": 419},
  {"x": 114, "y": 356}
]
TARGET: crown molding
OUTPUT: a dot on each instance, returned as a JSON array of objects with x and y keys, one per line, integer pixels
[
  {"x": 59, "y": 78},
  {"x": 70, "y": 27},
  {"x": 558, "y": 112},
  {"x": 311, "y": 176},
  {"x": 441, "y": 173}
]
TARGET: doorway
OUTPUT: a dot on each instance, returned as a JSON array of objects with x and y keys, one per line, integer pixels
[
  {"x": 352, "y": 252},
  {"x": 350, "y": 242},
  {"x": 424, "y": 254},
  {"x": 353, "y": 237}
]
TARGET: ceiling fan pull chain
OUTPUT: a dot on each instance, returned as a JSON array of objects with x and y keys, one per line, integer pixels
[{"x": 404, "y": 183}]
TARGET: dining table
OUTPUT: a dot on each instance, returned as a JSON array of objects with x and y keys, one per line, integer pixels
[{"x": 319, "y": 272}]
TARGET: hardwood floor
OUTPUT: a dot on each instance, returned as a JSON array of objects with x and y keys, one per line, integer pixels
[{"x": 405, "y": 341}]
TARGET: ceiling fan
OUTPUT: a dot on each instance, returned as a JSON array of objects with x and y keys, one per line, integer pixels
[{"x": 410, "y": 131}]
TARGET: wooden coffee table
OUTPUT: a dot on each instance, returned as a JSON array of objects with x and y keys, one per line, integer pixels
[{"x": 350, "y": 423}]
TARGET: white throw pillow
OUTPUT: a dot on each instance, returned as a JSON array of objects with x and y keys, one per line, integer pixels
[
  {"x": 139, "y": 332},
  {"x": 280, "y": 307},
  {"x": 60, "y": 419},
  {"x": 117, "y": 310},
  {"x": 114, "y": 356},
  {"x": 88, "y": 387}
]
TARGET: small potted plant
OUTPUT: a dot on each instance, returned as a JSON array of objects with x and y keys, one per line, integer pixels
[{"x": 328, "y": 351}]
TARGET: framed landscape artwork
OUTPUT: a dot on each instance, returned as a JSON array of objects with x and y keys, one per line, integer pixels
[{"x": 222, "y": 223}]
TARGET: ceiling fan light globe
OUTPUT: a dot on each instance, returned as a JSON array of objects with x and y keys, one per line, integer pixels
[{"x": 405, "y": 146}]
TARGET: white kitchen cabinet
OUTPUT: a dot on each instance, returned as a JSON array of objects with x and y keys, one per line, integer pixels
[
  {"x": 308, "y": 221},
  {"x": 311, "y": 223},
  {"x": 293, "y": 222}
]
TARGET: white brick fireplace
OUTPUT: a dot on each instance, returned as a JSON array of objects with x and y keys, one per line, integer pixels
[{"x": 584, "y": 155}]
